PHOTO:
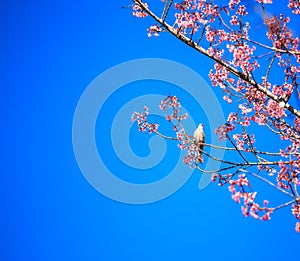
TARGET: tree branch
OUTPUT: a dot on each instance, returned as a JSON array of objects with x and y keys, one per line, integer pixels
[{"x": 231, "y": 69}]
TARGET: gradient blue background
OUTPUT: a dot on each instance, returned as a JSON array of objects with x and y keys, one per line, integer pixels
[{"x": 50, "y": 52}]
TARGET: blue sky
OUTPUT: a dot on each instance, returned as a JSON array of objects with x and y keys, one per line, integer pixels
[{"x": 51, "y": 51}]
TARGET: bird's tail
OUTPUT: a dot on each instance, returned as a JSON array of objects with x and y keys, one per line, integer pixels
[{"x": 200, "y": 157}]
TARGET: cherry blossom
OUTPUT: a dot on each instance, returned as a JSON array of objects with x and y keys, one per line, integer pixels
[
  {"x": 259, "y": 78},
  {"x": 154, "y": 30},
  {"x": 264, "y": 1},
  {"x": 297, "y": 228}
]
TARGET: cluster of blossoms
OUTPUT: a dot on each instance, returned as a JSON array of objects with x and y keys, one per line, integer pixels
[
  {"x": 244, "y": 141},
  {"x": 280, "y": 35},
  {"x": 142, "y": 121},
  {"x": 295, "y": 6},
  {"x": 222, "y": 33},
  {"x": 203, "y": 13},
  {"x": 138, "y": 11},
  {"x": 241, "y": 57},
  {"x": 297, "y": 227},
  {"x": 154, "y": 30},
  {"x": 296, "y": 211},
  {"x": 239, "y": 188},
  {"x": 172, "y": 102},
  {"x": 171, "y": 105},
  {"x": 224, "y": 130},
  {"x": 185, "y": 142},
  {"x": 239, "y": 194},
  {"x": 264, "y": 1}
]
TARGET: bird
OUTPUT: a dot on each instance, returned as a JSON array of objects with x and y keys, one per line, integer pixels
[{"x": 199, "y": 139}]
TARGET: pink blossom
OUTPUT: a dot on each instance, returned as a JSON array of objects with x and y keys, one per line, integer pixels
[
  {"x": 214, "y": 177},
  {"x": 233, "y": 3},
  {"x": 154, "y": 30},
  {"x": 142, "y": 121},
  {"x": 227, "y": 98},
  {"x": 232, "y": 117},
  {"x": 138, "y": 11},
  {"x": 295, "y": 6},
  {"x": 224, "y": 130},
  {"x": 297, "y": 227},
  {"x": 234, "y": 20},
  {"x": 244, "y": 109},
  {"x": 266, "y": 216},
  {"x": 296, "y": 210},
  {"x": 241, "y": 10},
  {"x": 265, "y": 1}
]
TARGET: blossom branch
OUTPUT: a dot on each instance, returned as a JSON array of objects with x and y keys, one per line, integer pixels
[
  {"x": 259, "y": 102},
  {"x": 231, "y": 69}
]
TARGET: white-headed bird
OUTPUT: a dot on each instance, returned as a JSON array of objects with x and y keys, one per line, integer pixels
[{"x": 199, "y": 138}]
